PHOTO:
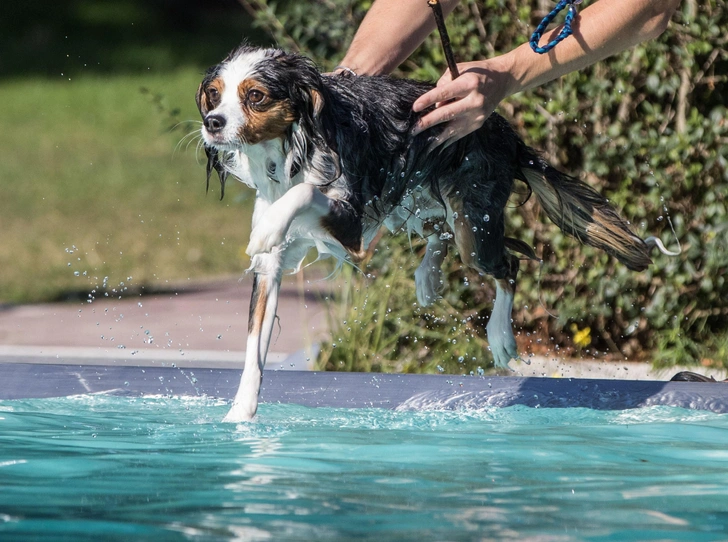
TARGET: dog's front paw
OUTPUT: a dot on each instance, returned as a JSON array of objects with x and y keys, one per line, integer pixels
[
  {"x": 241, "y": 411},
  {"x": 265, "y": 236}
]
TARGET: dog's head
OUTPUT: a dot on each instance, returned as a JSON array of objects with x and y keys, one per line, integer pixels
[{"x": 257, "y": 95}]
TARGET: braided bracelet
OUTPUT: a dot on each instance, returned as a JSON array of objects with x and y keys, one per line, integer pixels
[{"x": 346, "y": 70}]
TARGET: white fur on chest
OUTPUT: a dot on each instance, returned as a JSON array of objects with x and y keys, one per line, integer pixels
[{"x": 262, "y": 168}]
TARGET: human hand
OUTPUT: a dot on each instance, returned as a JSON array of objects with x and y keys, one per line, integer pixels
[{"x": 464, "y": 103}]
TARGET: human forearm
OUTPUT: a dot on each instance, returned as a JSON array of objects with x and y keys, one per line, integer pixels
[
  {"x": 603, "y": 29},
  {"x": 390, "y": 32}
]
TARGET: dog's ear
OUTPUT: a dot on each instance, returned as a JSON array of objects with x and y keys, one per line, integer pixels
[
  {"x": 201, "y": 101},
  {"x": 310, "y": 121},
  {"x": 201, "y": 98}
]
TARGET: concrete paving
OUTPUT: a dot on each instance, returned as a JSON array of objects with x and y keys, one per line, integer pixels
[
  {"x": 206, "y": 322},
  {"x": 205, "y": 325}
]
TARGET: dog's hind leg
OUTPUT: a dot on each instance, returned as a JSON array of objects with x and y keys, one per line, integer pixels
[
  {"x": 480, "y": 238},
  {"x": 428, "y": 276},
  {"x": 499, "y": 328}
]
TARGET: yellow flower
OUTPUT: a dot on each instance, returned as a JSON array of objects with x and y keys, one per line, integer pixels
[{"x": 582, "y": 337}]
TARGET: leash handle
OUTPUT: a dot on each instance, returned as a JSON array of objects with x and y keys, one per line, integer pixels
[{"x": 444, "y": 37}]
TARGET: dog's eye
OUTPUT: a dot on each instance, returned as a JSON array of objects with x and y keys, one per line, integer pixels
[
  {"x": 213, "y": 94},
  {"x": 255, "y": 96}
]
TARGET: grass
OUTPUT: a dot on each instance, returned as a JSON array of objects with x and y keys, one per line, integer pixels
[
  {"x": 93, "y": 191},
  {"x": 94, "y": 188}
]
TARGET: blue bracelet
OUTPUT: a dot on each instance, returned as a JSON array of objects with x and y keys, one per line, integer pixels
[{"x": 565, "y": 32}]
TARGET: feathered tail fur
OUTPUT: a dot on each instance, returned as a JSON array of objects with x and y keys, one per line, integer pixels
[{"x": 582, "y": 212}]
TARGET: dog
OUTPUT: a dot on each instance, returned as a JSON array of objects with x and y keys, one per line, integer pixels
[{"x": 332, "y": 158}]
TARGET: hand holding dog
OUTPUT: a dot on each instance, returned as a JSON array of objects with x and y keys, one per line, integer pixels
[
  {"x": 464, "y": 103},
  {"x": 393, "y": 29}
]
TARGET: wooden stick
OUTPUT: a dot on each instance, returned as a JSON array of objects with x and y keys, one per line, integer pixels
[{"x": 444, "y": 37}]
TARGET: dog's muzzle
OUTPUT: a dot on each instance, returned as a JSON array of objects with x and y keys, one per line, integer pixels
[{"x": 214, "y": 123}]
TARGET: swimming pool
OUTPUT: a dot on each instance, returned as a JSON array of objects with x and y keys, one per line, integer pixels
[{"x": 101, "y": 467}]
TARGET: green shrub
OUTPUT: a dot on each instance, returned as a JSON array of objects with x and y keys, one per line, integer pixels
[{"x": 648, "y": 128}]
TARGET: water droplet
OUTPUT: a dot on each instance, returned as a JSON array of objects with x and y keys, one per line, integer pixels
[{"x": 486, "y": 218}]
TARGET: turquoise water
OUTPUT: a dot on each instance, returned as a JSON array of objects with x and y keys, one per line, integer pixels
[{"x": 111, "y": 468}]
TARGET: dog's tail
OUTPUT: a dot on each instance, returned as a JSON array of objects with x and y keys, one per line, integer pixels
[{"x": 582, "y": 212}]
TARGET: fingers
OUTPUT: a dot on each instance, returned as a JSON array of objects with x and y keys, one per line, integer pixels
[
  {"x": 448, "y": 91},
  {"x": 454, "y": 131},
  {"x": 439, "y": 115},
  {"x": 469, "y": 111}
]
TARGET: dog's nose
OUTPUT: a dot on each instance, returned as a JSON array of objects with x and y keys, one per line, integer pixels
[{"x": 214, "y": 123}]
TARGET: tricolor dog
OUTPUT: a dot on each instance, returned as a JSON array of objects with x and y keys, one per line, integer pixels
[{"x": 333, "y": 158}]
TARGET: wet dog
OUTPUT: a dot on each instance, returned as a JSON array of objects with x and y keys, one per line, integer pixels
[{"x": 333, "y": 158}]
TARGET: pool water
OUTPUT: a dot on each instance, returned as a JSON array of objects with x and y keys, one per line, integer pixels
[{"x": 120, "y": 468}]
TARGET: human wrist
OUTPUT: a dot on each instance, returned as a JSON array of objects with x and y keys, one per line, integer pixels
[
  {"x": 371, "y": 64},
  {"x": 512, "y": 72}
]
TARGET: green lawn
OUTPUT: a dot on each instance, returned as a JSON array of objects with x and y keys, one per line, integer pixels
[{"x": 90, "y": 163}]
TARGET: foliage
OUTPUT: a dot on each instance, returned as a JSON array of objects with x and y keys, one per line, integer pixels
[
  {"x": 81, "y": 37},
  {"x": 647, "y": 127},
  {"x": 378, "y": 326}
]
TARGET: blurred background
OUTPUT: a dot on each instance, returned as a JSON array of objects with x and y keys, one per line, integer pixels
[{"x": 104, "y": 190}]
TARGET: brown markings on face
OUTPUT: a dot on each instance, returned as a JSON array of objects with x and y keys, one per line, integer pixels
[
  {"x": 265, "y": 118},
  {"x": 209, "y": 95}
]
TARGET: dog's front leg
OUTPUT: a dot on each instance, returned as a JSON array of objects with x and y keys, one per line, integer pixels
[
  {"x": 267, "y": 270},
  {"x": 303, "y": 200}
]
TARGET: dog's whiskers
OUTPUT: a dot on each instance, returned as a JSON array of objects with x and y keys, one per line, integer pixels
[{"x": 189, "y": 138}]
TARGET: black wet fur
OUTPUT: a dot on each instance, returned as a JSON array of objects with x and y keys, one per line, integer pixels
[{"x": 362, "y": 126}]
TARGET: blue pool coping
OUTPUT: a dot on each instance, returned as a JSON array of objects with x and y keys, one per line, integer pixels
[{"x": 360, "y": 390}]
